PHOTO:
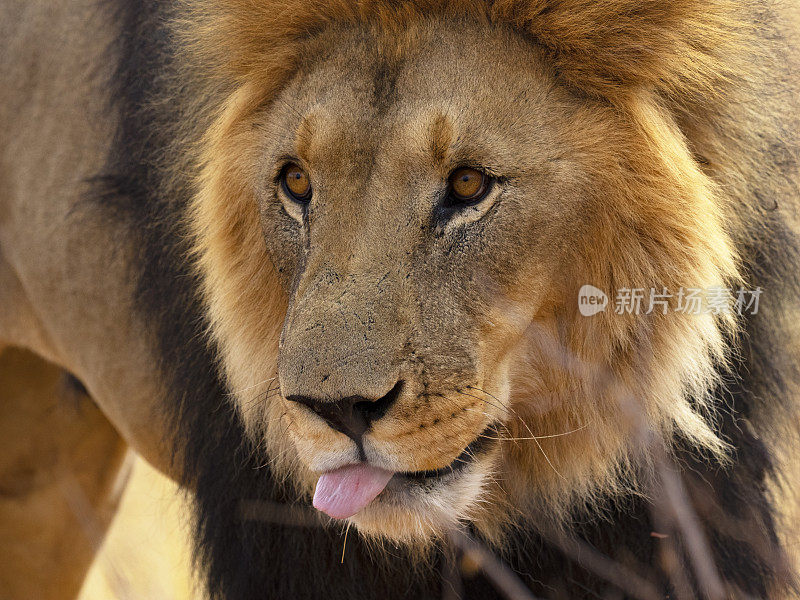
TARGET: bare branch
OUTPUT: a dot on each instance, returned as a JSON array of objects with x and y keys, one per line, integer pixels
[{"x": 500, "y": 574}]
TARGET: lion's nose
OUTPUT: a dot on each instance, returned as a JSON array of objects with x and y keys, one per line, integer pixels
[{"x": 352, "y": 415}]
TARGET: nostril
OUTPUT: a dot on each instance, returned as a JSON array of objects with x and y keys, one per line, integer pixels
[
  {"x": 352, "y": 415},
  {"x": 339, "y": 414},
  {"x": 372, "y": 410}
]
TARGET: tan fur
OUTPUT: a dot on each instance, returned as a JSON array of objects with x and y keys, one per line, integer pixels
[{"x": 65, "y": 295}]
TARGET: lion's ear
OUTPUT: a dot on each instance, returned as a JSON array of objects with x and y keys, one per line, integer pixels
[{"x": 606, "y": 47}]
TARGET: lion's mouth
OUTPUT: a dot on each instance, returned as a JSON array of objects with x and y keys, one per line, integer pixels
[
  {"x": 345, "y": 491},
  {"x": 474, "y": 449}
]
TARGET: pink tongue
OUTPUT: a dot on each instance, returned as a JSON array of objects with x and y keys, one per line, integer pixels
[{"x": 344, "y": 492}]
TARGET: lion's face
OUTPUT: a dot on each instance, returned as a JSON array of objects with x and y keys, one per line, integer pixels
[
  {"x": 407, "y": 298},
  {"x": 432, "y": 199}
]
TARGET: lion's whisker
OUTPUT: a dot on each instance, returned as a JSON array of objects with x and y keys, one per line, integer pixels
[
  {"x": 262, "y": 397},
  {"x": 533, "y": 437},
  {"x": 481, "y": 390},
  {"x": 485, "y": 414},
  {"x": 538, "y": 437},
  {"x": 499, "y": 407},
  {"x": 250, "y": 387},
  {"x": 344, "y": 544},
  {"x": 547, "y": 458}
]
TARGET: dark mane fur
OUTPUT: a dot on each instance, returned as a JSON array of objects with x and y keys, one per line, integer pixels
[{"x": 244, "y": 559}]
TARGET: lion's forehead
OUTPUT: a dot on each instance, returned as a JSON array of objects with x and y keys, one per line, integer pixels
[{"x": 363, "y": 106}]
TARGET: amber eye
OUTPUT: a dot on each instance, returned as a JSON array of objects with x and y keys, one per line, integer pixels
[
  {"x": 468, "y": 186},
  {"x": 296, "y": 183}
]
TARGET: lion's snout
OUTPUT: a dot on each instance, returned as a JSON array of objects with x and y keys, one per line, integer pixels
[{"x": 344, "y": 338}]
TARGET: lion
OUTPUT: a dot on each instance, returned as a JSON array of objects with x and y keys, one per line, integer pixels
[{"x": 524, "y": 270}]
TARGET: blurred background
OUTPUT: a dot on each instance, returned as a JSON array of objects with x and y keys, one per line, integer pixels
[{"x": 146, "y": 554}]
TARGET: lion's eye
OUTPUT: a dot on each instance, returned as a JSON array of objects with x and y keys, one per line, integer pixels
[
  {"x": 467, "y": 186},
  {"x": 296, "y": 183}
]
